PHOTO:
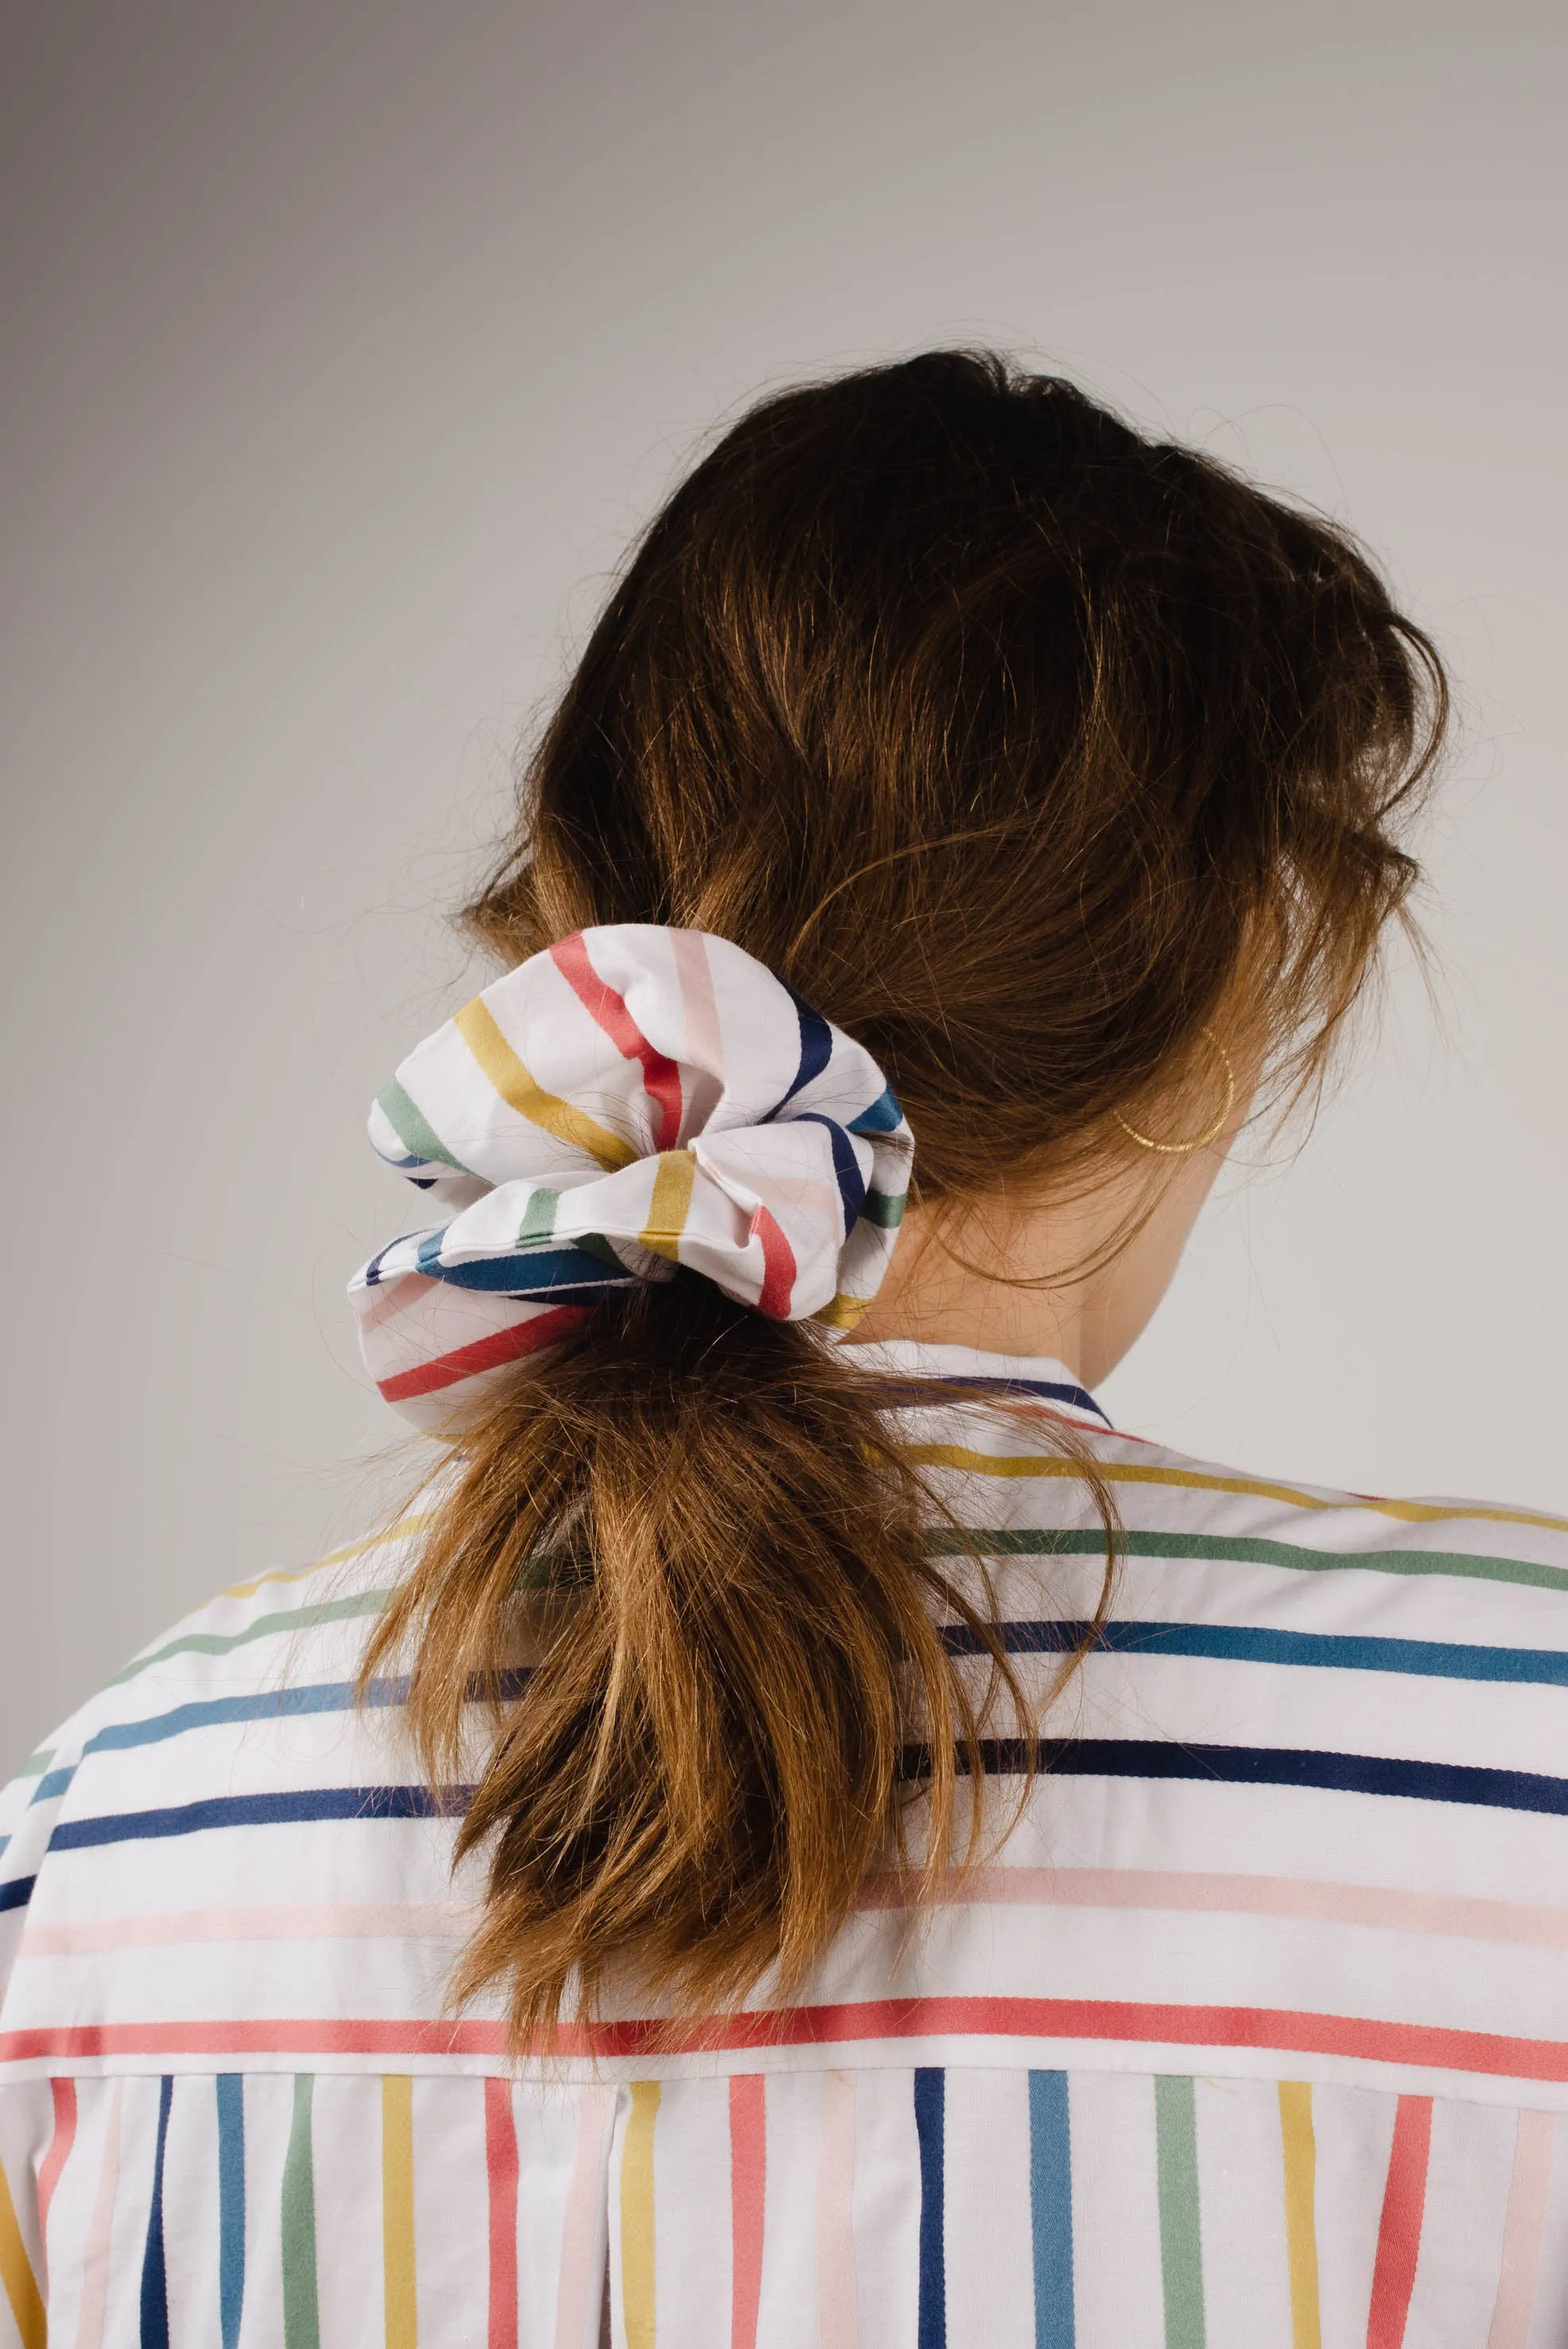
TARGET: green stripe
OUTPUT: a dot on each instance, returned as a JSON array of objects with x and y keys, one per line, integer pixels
[
  {"x": 293, "y": 1618},
  {"x": 301, "y": 2318},
  {"x": 36, "y": 1764},
  {"x": 539, "y": 1223},
  {"x": 418, "y": 1136},
  {"x": 1054, "y": 1541},
  {"x": 883, "y": 1208},
  {"x": 1180, "y": 2226}
]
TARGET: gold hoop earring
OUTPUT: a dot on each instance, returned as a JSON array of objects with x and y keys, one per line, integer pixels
[{"x": 1211, "y": 1134}]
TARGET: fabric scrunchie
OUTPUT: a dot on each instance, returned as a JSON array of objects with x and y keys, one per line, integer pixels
[{"x": 633, "y": 1099}]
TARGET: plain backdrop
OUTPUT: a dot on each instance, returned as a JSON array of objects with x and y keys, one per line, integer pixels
[{"x": 343, "y": 346}]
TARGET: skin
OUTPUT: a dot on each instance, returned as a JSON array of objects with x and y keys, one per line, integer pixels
[{"x": 1007, "y": 1274}]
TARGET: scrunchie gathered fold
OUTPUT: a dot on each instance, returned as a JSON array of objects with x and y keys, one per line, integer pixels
[{"x": 633, "y": 1099}]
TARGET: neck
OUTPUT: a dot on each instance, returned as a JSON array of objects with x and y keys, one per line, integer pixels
[{"x": 1075, "y": 1280}]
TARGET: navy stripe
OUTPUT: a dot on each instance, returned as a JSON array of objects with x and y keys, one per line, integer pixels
[
  {"x": 846, "y": 1167},
  {"x": 17, "y": 1893},
  {"x": 816, "y": 1045},
  {"x": 230, "y": 2088},
  {"x": 291, "y": 1809},
  {"x": 1056, "y": 1389},
  {"x": 1443, "y": 1660},
  {"x": 930, "y": 2129},
  {"x": 154, "y": 2273},
  {"x": 1262, "y": 1765}
]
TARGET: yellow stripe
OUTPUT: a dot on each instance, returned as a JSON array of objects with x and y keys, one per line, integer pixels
[
  {"x": 637, "y": 2215},
  {"x": 333, "y": 1558},
  {"x": 844, "y": 1313},
  {"x": 1128, "y": 1471},
  {"x": 517, "y": 1087},
  {"x": 398, "y": 2211},
  {"x": 1301, "y": 2222},
  {"x": 17, "y": 2274},
  {"x": 674, "y": 1172}
]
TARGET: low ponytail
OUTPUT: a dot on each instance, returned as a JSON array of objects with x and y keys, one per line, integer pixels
[
  {"x": 692, "y": 1524},
  {"x": 1025, "y": 747}
]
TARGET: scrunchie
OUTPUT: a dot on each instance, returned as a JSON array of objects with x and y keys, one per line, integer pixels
[{"x": 633, "y": 1099}]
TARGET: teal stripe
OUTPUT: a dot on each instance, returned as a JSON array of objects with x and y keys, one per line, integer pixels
[
  {"x": 1070, "y": 1541},
  {"x": 1051, "y": 2209},
  {"x": 1180, "y": 2225},
  {"x": 413, "y": 1130},
  {"x": 539, "y": 1222},
  {"x": 230, "y": 2088},
  {"x": 884, "y": 1208},
  {"x": 301, "y": 2317},
  {"x": 293, "y": 1619}
]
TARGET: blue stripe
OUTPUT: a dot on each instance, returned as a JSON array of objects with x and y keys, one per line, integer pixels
[
  {"x": 884, "y": 1116},
  {"x": 845, "y": 1167},
  {"x": 1263, "y": 1765},
  {"x": 231, "y": 2089},
  {"x": 288, "y": 1703},
  {"x": 523, "y": 1272},
  {"x": 1051, "y": 2209},
  {"x": 53, "y": 1783},
  {"x": 816, "y": 1044},
  {"x": 291, "y": 1809},
  {"x": 1446, "y": 1660},
  {"x": 17, "y": 1893},
  {"x": 931, "y": 2129},
  {"x": 154, "y": 2275}
]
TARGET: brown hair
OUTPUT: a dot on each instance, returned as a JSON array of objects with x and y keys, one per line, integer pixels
[{"x": 1025, "y": 747}]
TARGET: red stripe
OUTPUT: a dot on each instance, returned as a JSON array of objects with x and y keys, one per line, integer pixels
[
  {"x": 486, "y": 1353},
  {"x": 660, "y": 1077},
  {"x": 1399, "y": 2228},
  {"x": 778, "y": 1267},
  {"x": 748, "y": 2197},
  {"x": 1279, "y": 2030},
  {"x": 500, "y": 2173},
  {"x": 63, "y": 2093}
]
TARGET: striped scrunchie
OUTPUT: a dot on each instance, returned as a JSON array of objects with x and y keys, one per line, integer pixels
[{"x": 633, "y": 1099}]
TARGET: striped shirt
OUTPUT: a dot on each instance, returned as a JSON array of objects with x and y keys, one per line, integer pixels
[{"x": 1251, "y": 2035}]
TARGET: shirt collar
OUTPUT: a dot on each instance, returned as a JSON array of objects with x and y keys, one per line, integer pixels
[{"x": 1039, "y": 1376}]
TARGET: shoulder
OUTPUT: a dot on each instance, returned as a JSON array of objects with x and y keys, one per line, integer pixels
[{"x": 238, "y": 1703}]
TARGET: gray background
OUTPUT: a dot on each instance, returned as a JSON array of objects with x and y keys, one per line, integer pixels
[{"x": 340, "y": 347}]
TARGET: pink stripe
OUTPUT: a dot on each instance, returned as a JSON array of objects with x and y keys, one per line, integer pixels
[
  {"x": 778, "y": 1267},
  {"x": 660, "y": 1077},
  {"x": 95, "y": 2251},
  {"x": 835, "y": 2287},
  {"x": 747, "y": 2202},
  {"x": 1117, "y": 2022},
  {"x": 1523, "y": 2232},
  {"x": 501, "y": 2180},
  {"x": 436, "y": 1921},
  {"x": 1399, "y": 2228},
  {"x": 704, "y": 1047},
  {"x": 581, "y": 2288},
  {"x": 64, "y": 2093},
  {"x": 484, "y": 1354},
  {"x": 1245, "y": 1896},
  {"x": 1064, "y": 1887}
]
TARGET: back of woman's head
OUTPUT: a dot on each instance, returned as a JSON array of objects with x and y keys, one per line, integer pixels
[{"x": 1026, "y": 748}]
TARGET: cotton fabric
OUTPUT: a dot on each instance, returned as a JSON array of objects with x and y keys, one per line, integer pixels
[
  {"x": 1252, "y": 2034},
  {"x": 631, "y": 1101}
]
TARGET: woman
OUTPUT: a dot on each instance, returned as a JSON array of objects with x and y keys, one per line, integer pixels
[{"x": 803, "y": 1834}]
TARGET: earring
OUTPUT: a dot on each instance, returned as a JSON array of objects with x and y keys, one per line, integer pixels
[{"x": 1211, "y": 1134}]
